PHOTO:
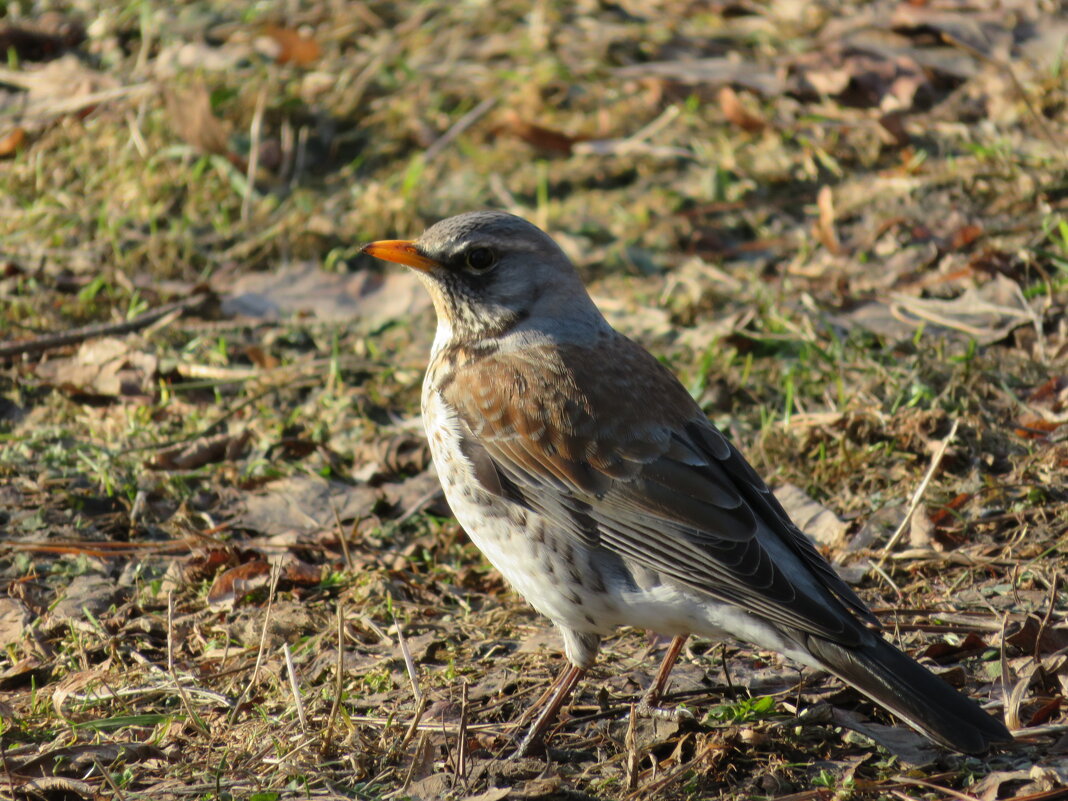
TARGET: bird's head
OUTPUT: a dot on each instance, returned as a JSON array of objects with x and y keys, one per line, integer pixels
[{"x": 490, "y": 273}]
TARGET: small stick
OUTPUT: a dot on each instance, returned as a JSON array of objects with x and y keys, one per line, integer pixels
[
  {"x": 461, "y": 751},
  {"x": 75, "y": 335},
  {"x": 917, "y": 496},
  {"x": 338, "y": 679},
  {"x": 253, "y": 156},
  {"x": 461, "y": 125},
  {"x": 295, "y": 687},
  {"x": 409, "y": 663},
  {"x": 275, "y": 573},
  {"x": 174, "y": 674},
  {"x": 631, "y": 743}
]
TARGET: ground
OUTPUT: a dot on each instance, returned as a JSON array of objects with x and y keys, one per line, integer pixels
[{"x": 227, "y": 569}]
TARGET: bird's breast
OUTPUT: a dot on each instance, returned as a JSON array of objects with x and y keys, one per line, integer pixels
[{"x": 559, "y": 578}]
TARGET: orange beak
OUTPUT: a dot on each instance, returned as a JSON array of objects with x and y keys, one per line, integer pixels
[{"x": 401, "y": 251}]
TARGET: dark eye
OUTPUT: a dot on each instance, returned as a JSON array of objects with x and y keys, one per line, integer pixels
[{"x": 480, "y": 259}]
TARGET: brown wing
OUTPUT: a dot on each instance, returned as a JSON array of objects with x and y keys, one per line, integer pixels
[{"x": 607, "y": 444}]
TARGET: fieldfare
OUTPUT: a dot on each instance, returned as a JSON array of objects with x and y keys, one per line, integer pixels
[{"x": 593, "y": 482}]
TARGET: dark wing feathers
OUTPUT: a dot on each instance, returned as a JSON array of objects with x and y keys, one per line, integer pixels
[{"x": 675, "y": 496}]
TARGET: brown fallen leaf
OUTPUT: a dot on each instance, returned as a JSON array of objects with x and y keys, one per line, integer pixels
[
  {"x": 1045, "y": 712},
  {"x": 987, "y": 314},
  {"x": 965, "y": 236},
  {"x": 199, "y": 452},
  {"x": 391, "y": 457},
  {"x": 192, "y": 118},
  {"x": 944, "y": 514},
  {"x": 537, "y": 135},
  {"x": 232, "y": 585},
  {"x": 921, "y": 530},
  {"x": 306, "y": 504},
  {"x": 366, "y": 299},
  {"x": 293, "y": 47},
  {"x": 735, "y": 111},
  {"x": 1031, "y": 426},
  {"x": 1031, "y": 637},
  {"x": 943, "y": 651},
  {"x": 107, "y": 367},
  {"x": 12, "y": 142},
  {"x": 812, "y": 517},
  {"x": 14, "y": 617},
  {"x": 261, "y": 358}
]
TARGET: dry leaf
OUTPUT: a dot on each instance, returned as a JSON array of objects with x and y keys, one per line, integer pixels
[
  {"x": 537, "y": 135},
  {"x": 199, "y": 452},
  {"x": 305, "y": 504},
  {"x": 108, "y": 367},
  {"x": 824, "y": 228},
  {"x": 1054, "y": 636},
  {"x": 14, "y": 617},
  {"x": 232, "y": 585},
  {"x": 817, "y": 521},
  {"x": 366, "y": 300},
  {"x": 921, "y": 530},
  {"x": 390, "y": 457},
  {"x": 12, "y": 142},
  {"x": 943, "y": 651},
  {"x": 193, "y": 119},
  {"x": 293, "y": 47},
  {"x": 733, "y": 109}
]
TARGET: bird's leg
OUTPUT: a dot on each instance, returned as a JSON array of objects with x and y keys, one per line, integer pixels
[
  {"x": 543, "y": 699},
  {"x": 649, "y": 706},
  {"x": 563, "y": 687}
]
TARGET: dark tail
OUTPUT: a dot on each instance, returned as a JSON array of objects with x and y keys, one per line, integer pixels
[{"x": 910, "y": 691}]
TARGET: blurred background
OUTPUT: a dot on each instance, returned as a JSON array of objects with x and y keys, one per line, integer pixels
[{"x": 844, "y": 225}]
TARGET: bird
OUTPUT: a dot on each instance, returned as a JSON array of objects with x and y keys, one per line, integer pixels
[{"x": 593, "y": 482}]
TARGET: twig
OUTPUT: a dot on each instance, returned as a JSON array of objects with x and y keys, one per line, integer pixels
[
  {"x": 76, "y": 335},
  {"x": 885, "y": 577},
  {"x": 341, "y": 535},
  {"x": 339, "y": 668},
  {"x": 461, "y": 125},
  {"x": 253, "y": 156},
  {"x": 631, "y": 742},
  {"x": 917, "y": 496},
  {"x": 461, "y": 737},
  {"x": 931, "y": 786},
  {"x": 295, "y": 687},
  {"x": 275, "y": 573},
  {"x": 174, "y": 674},
  {"x": 651, "y": 790},
  {"x": 409, "y": 663},
  {"x": 119, "y": 794},
  {"x": 413, "y": 727},
  {"x": 301, "y": 158}
]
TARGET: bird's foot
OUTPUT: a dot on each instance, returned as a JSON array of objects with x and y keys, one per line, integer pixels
[{"x": 651, "y": 709}]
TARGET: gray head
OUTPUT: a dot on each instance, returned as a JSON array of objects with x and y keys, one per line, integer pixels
[{"x": 490, "y": 272}]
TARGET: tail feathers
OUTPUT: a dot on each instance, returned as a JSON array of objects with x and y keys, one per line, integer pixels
[{"x": 910, "y": 691}]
